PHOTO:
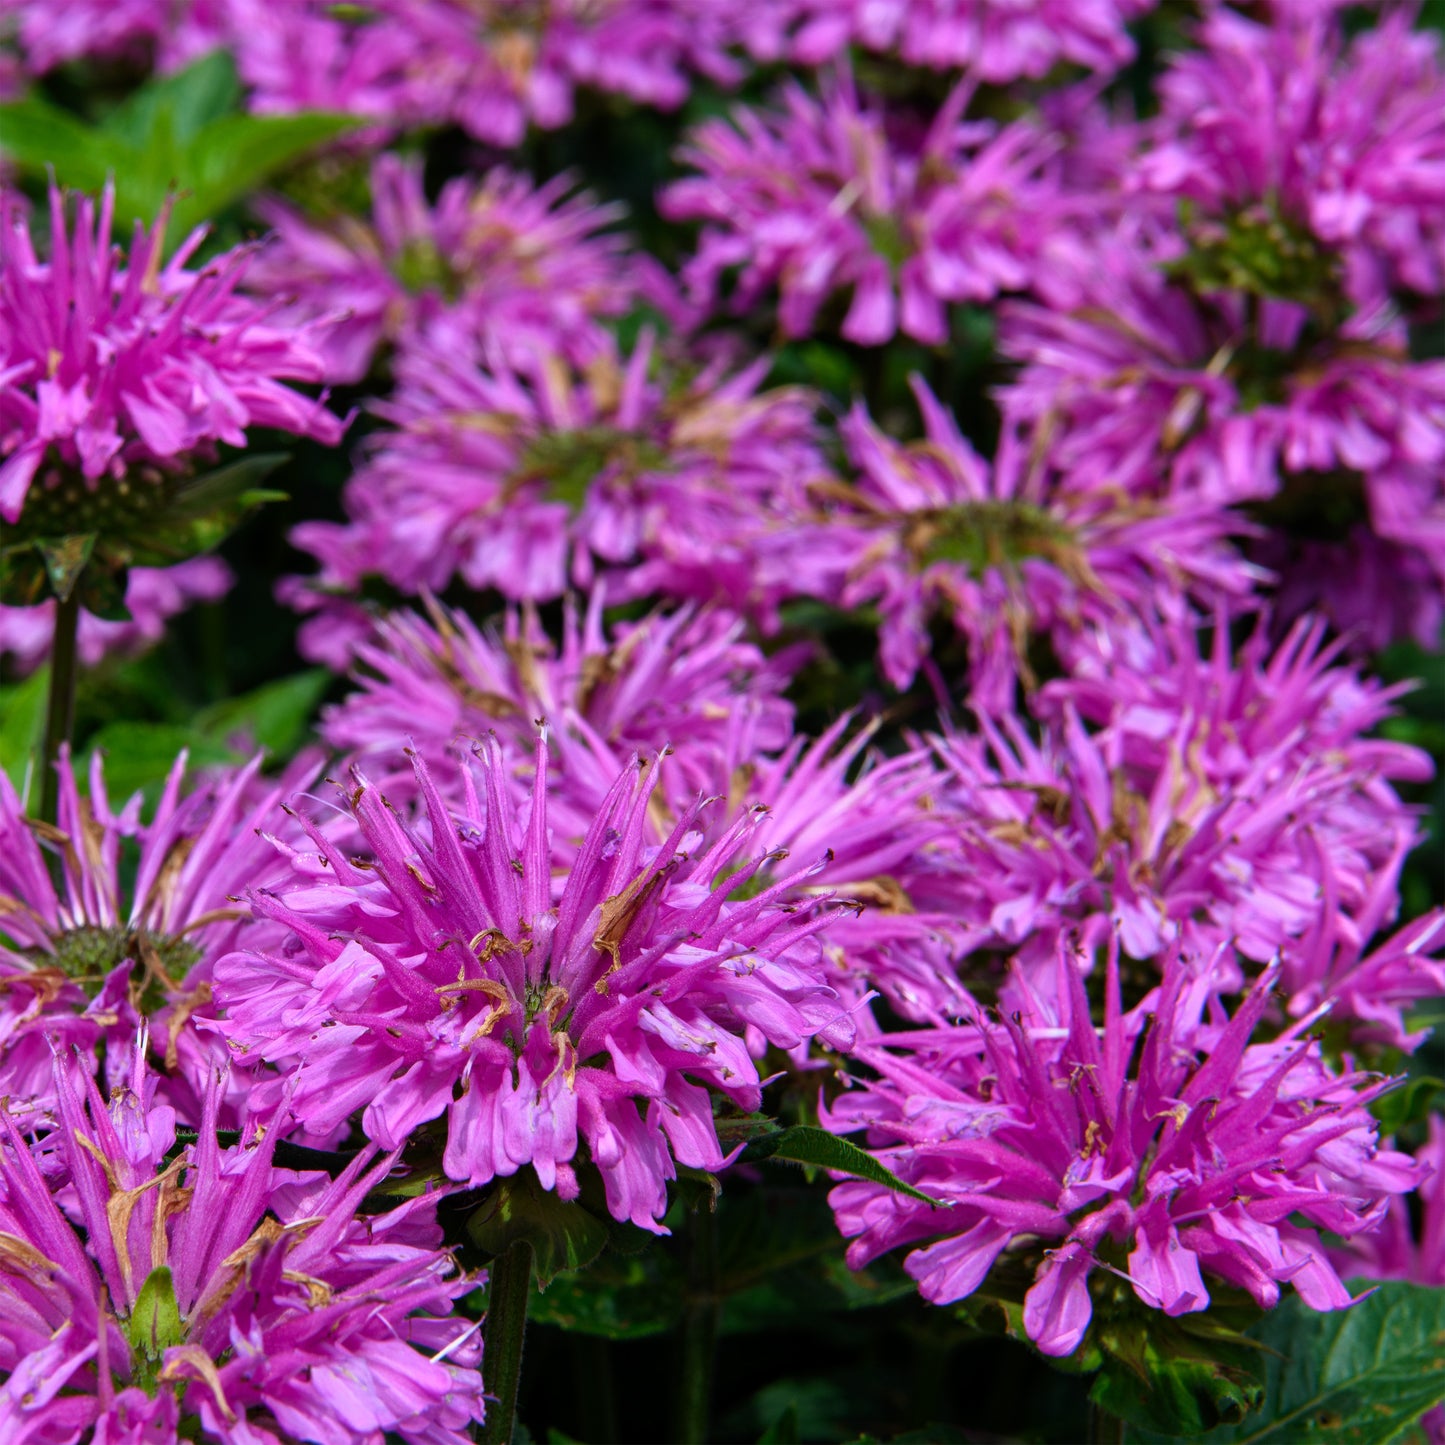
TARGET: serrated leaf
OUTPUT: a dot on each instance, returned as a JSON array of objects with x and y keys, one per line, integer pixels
[
  {"x": 805, "y": 1144},
  {"x": 273, "y": 717},
  {"x": 1358, "y": 1376},
  {"x": 22, "y": 724},
  {"x": 155, "y": 1323},
  {"x": 1157, "y": 1375},
  {"x": 563, "y": 1235}
]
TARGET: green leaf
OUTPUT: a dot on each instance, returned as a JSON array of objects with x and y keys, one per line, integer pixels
[
  {"x": 1358, "y": 1376},
  {"x": 189, "y": 99},
  {"x": 783, "y": 1430},
  {"x": 1177, "y": 1377},
  {"x": 36, "y": 134},
  {"x": 155, "y": 1323},
  {"x": 1412, "y": 1103},
  {"x": 22, "y": 724},
  {"x": 620, "y": 1297},
  {"x": 235, "y": 155},
  {"x": 805, "y": 1144},
  {"x": 273, "y": 717},
  {"x": 563, "y": 1235},
  {"x": 204, "y": 512},
  {"x": 138, "y": 755},
  {"x": 178, "y": 138}
]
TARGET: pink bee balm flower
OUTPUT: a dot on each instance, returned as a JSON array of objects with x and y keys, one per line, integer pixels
[
  {"x": 995, "y": 40},
  {"x": 828, "y": 195},
  {"x": 1008, "y": 551},
  {"x": 533, "y": 477},
  {"x": 448, "y": 973},
  {"x": 153, "y": 595},
  {"x": 531, "y": 265},
  {"x": 105, "y": 940},
  {"x": 496, "y": 66},
  {"x": 1213, "y": 800},
  {"x": 111, "y": 366},
  {"x": 1164, "y": 1147},
  {"x": 686, "y": 681},
  {"x": 1345, "y": 141},
  {"x": 1321, "y": 429},
  {"x": 215, "y": 1293},
  {"x": 168, "y": 31}
]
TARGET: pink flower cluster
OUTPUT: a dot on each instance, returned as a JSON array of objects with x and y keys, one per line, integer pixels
[{"x": 986, "y": 726}]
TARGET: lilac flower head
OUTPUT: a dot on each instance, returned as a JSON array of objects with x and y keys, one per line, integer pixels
[
  {"x": 216, "y": 1292},
  {"x": 528, "y": 264},
  {"x": 1214, "y": 801},
  {"x": 1006, "y": 552},
  {"x": 601, "y": 1010},
  {"x": 995, "y": 40},
  {"x": 118, "y": 368},
  {"x": 536, "y": 476},
  {"x": 1163, "y": 1148},
  {"x": 826, "y": 195}
]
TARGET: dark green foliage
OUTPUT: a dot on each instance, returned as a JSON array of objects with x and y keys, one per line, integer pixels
[{"x": 180, "y": 138}]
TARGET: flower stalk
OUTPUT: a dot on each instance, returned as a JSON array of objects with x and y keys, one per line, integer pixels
[
  {"x": 699, "y": 1327},
  {"x": 506, "y": 1324},
  {"x": 60, "y": 706}
]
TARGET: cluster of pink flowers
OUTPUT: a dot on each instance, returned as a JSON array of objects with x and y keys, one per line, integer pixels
[
  {"x": 1085, "y": 890},
  {"x": 534, "y": 474},
  {"x": 833, "y": 193},
  {"x": 1164, "y": 1145}
]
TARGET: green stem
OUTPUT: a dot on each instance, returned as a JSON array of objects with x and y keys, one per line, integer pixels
[
  {"x": 506, "y": 1323},
  {"x": 699, "y": 1328},
  {"x": 1105, "y": 1428},
  {"x": 60, "y": 707}
]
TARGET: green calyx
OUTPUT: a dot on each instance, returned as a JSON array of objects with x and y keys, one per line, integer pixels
[
  {"x": 1261, "y": 252},
  {"x": 568, "y": 462},
  {"x": 153, "y": 1327},
  {"x": 75, "y": 536},
  {"x": 419, "y": 266},
  {"x": 89, "y": 953},
  {"x": 985, "y": 535}
]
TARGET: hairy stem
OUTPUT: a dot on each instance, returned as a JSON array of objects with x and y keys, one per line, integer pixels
[
  {"x": 506, "y": 1323},
  {"x": 699, "y": 1328},
  {"x": 60, "y": 707}
]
